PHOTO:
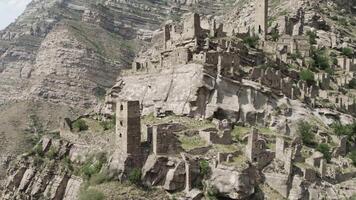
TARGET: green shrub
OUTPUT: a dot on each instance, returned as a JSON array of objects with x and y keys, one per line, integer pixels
[
  {"x": 304, "y": 129},
  {"x": 108, "y": 124},
  {"x": 343, "y": 21},
  {"x": 91, "y": 194},
  {"x": 80, "y": 125},
  {"x": 135, "y": 176},
  {"x": 330, "y": 71},
  {"x": 312, "y": 37},
  {"x": 67, "y": 163},
  {"x": 348, "y": 130},
  {"x": 93, "y": 165},
  {"x": 295, "y": 56},
  {"x": 204, "y": 168},
  {"x": 251, "y": 41},
  {"x": 340, "y": 129},
  {"x": 307, "y": 75},
  {"x": 212, "y": 193},
  {"x": 334, "y": 17},
  {"x": 320, "y": 59},
  {"x": 352, "y": 156},
  {"x": 325, "y": 150},
  {"x": 275, "y": 35},
  {"x": 347, "y": 52},
  {"x": 51, "y": 154},
  {"x": 38, "y": 161},
  {"x": 352, "y": 84},
  {"x": 38, "y": 150},
  {"x": 99, "y": 92},
  {"x": 99, "y": 178}
]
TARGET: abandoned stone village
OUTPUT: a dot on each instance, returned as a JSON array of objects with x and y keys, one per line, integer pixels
[{"x": 215, "y": 111}]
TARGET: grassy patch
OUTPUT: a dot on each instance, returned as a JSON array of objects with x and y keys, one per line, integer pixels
[
  {"x": 190, "y": 143},
  {"x": 123, "y": 191},
  {"x": 352, "y": 156},
  {"x": 226, "y": 148},
  {"x": 240, "y": 162},
  {"x": 135, "y": 176},
  {"x": 91, "y": 194},
  {"x": 239, "y": 132},
  {"x": 108, "y": 124},
  {"x": 189, "y": 122}
]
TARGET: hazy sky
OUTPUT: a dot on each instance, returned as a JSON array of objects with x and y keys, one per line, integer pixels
[{"x": 10, "y": 9}]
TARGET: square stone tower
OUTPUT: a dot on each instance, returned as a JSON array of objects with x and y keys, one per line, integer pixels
[
  {"x": 128, "y": 127},
  {"x": 191, "y": 27},
  {"x": 261, "y": 18}
]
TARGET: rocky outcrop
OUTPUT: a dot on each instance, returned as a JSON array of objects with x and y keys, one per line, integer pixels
[
  {"x": 155, "y": 170},
  {"x": 233, "y": 184},
  {"x": 66, "y": 69},
  {"x": 41, "y": 174},
  {"x": 175, "y": 179}
]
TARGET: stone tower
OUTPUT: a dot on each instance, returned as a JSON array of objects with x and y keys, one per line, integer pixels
[
  {"x": 261, "y": 18},
  {"x": 128, "y": 127},
  {"x": 191, "y": 26},
  {"x": 167, "y": 35},
  {"x": 251, "y": 148},
  {"x": 128, "y": 155}
]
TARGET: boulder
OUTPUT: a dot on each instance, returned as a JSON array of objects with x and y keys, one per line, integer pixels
[
  {"x": 233, "y": 184},
  {"x": 175, "y": 179},
  {"x": 155, "y": 170}
]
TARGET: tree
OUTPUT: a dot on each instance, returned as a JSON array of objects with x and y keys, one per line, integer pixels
[
  {"x": 320, "y": 59},
  {"x": 325, "y": 150},
  {"x": 251, "y": 41},
  {"x": 348, "y": 130},
  {"x": 204, "y": 168},
  {"x": 312, "y": 37},
  {"x": 352, "y": 156},
  {"x": 305, "y": 131},
  {"x": 347, "y": 52},
  {"x": 307, "y": 75},
  {"x": 80, "y": 125},
  {"x": 275, "y": 34}
]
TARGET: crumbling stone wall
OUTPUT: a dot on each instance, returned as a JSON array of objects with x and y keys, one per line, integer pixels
[
  {"x": 164, "y": 142},
  {"x": 211, "y": 136}
]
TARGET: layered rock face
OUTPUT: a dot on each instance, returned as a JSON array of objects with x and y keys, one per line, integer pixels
[
  {"x": 34, "y": 177},
  {"x": 66, "y": 71}
]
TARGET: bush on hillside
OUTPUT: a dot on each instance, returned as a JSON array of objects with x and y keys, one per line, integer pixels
[
  {"x": 91, "y": 194},
  {"x": 347, "y": 52},
  {"x": 251, "y": 41},
  {"x": 305, "y": 131},
  {"x": 325, "y": 150},
  {"x": 307, "y": 75},
  {"x": 135, "y": 176},
  {"x": 80, "y": 125}
]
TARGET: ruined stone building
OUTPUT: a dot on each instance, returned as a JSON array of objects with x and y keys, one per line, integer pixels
[
  {"x": 191, "y": 43},
  {"x": 256, "y": 150}
]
